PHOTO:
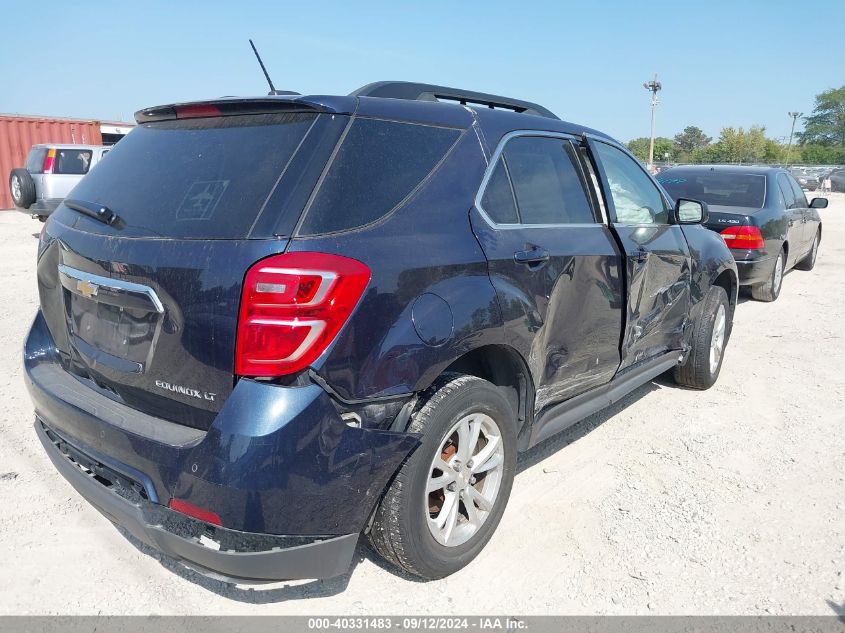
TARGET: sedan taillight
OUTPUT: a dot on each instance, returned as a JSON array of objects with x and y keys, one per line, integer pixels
[
  {"x": 292, "y": 307},
  {"x": 746, "y": 238}
]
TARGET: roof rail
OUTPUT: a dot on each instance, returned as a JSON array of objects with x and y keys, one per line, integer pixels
[{"x": 428, "y": 92}]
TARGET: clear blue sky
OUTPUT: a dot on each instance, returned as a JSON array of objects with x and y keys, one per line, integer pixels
[{"x": 721, "y": 63}]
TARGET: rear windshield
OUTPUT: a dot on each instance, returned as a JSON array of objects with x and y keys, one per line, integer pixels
[
  {"x": 379, "y": 164},
  {"x": 35, "y": 160},
  {"x": 192, "y": 178},
  {"x": 724, "y": 189},
  {"x": 72, "y": 161}
]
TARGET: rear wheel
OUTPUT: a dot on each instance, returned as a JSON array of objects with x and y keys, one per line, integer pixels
[
  {"x": 448, "y": 497},
  {"x": 769, "y": 290},
  {"x": 809, "y": 262},
  {"x": 22, "y": 187},
  {"x": 709, "y": 338}
]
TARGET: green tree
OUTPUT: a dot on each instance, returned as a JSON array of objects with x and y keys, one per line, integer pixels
[
  {"x": 826, "y": 126},
  {"x": 639, "y": 148},
  {"x": 736, "y": 145},
  {"x": 812, "y": 154},
  {"x": 690, "y": 140}
]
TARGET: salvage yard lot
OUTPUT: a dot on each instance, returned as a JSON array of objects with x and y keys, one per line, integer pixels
[{"x": 729, "y": 501}]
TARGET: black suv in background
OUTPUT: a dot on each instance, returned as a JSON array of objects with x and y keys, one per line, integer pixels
[{"x": 269, "y": 325}]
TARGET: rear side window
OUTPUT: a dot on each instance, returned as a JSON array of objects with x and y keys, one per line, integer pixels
[
  {"x": 35, "y": 160},
  {"x": 788, "y": 194},
  {"x": 546, "y": 182},
  {"x": 72, "y": 161},
  {"x": 800, "y": 198},
  {"x": 378, "y": 165},
  {"x": 192, "y": 178}
]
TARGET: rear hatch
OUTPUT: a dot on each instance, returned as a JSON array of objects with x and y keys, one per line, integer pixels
[{"x": 144, "y": 308}]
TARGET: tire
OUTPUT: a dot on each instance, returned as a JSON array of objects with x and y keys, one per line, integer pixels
[
  {"x": 701, "y": 369},
  {"x": 401, "y": 531},
  {"x": 769, "y": 290},
  {"x": 22, "y": 187},
  {"x": 809, "y": 262}
]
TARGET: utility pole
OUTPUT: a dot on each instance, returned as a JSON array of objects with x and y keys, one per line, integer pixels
[
  {"x": 794, "y": 116},
  {"x": 653, "y": 87}
]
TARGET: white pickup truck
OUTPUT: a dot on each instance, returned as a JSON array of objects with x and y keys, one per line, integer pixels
[{"x": 51, "y": 172}]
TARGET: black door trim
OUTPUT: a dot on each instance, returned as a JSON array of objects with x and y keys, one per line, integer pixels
[{"x": 563, "y": 415}]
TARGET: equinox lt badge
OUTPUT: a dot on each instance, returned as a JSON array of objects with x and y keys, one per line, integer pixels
[{"x": 188, "y": 391}]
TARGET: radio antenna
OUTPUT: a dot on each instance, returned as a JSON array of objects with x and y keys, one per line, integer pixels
[{"x": 263, "y": 69}]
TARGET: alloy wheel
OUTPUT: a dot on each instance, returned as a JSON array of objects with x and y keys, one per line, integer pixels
[{"x": 464, "y": 479}]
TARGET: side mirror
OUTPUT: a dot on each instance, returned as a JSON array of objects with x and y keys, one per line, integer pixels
[
  {"x": 690, "y": 211},
  {"x": 818, "y": 203}
]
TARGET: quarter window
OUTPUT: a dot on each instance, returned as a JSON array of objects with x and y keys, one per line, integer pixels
[
  {"x": 378, "y": 165},
  {"x": 635, "y": 197},
  {"x": 498, "y": 201}
]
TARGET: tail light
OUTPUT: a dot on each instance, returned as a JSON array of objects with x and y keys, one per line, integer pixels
[
  {"x": 747, "y": 238},
  {"x": 189, "y": 509},
  {"x": 292, "y": 307},
  {"x": 49, "y": 161}
]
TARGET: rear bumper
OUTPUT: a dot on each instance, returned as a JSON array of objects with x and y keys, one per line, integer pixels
[
  {"x": 42, "y": 207},
  {"x": 754, "y": 271},
  {"x": 322, "y": 558},
  {"x": 276, "y": 462}
]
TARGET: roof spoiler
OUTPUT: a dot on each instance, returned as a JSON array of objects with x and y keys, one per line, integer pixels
[
  {"x": 230, "y": 107},
  {"x": 429, "y": 92}
]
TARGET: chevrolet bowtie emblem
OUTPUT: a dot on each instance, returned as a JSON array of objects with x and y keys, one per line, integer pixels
[{"x": 86, "y": 288}]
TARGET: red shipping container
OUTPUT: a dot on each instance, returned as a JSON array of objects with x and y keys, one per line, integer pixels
[{"x": 19, "y": 133}]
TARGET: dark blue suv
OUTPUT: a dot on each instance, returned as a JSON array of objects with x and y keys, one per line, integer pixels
[{"x": 270, "y": 325}]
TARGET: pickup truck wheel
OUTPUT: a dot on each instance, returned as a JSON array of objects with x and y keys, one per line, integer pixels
[
  {"x": 22, "y": 187},
  {"x": 709, "y": 338},
  {"x": 448, "y": 497},
  {"x": 809, "y": 262},
  {"x": 769, "y": 290}
]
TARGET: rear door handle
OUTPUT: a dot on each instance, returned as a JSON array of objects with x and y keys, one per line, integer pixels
[{"x": 532, "y": 257}]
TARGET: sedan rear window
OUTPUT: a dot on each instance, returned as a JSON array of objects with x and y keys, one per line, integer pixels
[
  {"x": 721, "y": 189},
  {"x": 191, "y": 178}
]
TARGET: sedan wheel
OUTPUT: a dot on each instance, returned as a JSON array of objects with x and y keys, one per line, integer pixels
[
  {"x": 809, "y": 262},
  {"x": 717, "y": 340},
  {"x": 770, "y": 289}
]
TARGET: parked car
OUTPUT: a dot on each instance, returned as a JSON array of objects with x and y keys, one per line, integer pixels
[
  {"x": 313, "y": 317},
  {"x": 837, "y": 180},
  {"x": 807, "y": 179},
  {"x": 763, "y": 215},
  {"x": 50, "y": 173}
]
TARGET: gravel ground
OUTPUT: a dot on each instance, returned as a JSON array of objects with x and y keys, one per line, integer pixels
[{"x": 730, "y": 501}]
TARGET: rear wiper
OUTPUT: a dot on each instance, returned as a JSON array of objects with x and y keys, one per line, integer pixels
[{"x": 97, "y": 211}]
